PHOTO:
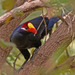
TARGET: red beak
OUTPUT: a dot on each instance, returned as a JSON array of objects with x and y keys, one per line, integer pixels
[{"x": 33, "y": 30}]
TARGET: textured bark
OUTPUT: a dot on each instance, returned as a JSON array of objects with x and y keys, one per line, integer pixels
[
  {"x": 59, "y": 40},
  {"x": 6, "y": 29},
  {"x": 5, "y": 32},
  {"x": 27, "y": 6},
  {"x": 19, "y": 2}
]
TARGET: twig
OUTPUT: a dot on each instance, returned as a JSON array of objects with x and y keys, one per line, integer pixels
[
  {"x": 67, "y": 53},
  {"x": 73, "y": 18},
  {"x": 10, "y": 65},
  {"x": 15, "y": 62},
  {"x": 56, "y": 24},
  {"x": 68, "y": 61},
  {"x": 70, "y": 27},
  {"x": 62, "y": 18},
  {"x": 72, "y": 65},
  {"x": 27, "y": 6},
  {"x": 45, "y": 25},
  {"x": 44, "y": 22},
  {"x": 39, "y": 27},
  {"x": 70, "y": 24}
]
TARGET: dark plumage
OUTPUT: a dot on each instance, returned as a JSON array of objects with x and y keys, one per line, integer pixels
[{"x": 25, "y": 39}]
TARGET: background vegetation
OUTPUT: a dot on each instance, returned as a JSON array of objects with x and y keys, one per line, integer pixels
[{"x": 58, "y": 6}]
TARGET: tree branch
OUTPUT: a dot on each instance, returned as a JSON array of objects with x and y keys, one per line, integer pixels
[
  {"x": 55, "y": 45},
  {"x": 7, "y": 28},
  {"x": 19, "y": 2},
  {"x": 27, "y": 6}
]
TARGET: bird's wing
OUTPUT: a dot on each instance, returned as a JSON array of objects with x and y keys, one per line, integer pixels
[{"x": 15, "y": 31}]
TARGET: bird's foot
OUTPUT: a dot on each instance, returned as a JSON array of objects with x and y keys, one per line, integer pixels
[{"x": 34, "y": 53}]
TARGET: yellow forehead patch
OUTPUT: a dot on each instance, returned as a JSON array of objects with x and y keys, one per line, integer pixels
[{"x": 30, "y": 25}]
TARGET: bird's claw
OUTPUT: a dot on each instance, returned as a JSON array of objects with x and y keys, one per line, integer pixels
[{"x": 34, "y": 53}]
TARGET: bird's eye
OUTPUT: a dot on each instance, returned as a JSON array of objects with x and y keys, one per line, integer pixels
[{"x": 26, "y": 27}]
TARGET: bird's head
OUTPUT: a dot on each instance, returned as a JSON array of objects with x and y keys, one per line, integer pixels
[
  {"x": 52, "y": 21},
  {"x": 29, "y": 27}
]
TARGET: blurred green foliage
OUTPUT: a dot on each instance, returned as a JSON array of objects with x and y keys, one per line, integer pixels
[
  {"x": 58, "y": 2},
  {"x": 8, "y": 4},
  {"x": 1, "y": 10},
  {"x": 72, "y": 4},
  {"x": 32, "y": 15},
  {"x": 5, "y": 44}
]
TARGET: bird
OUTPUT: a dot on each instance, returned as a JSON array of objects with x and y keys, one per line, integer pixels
[{"x": 23, "y": 35}]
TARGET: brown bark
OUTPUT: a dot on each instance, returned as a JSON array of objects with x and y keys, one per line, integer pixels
[
  {"x": 6, "y": 29},
  {"x": 27, "y": 6},
  {"x": 59, "y": 40},
  {"x": 19, "y": 2},
  {"x": 5, "y": 32}
]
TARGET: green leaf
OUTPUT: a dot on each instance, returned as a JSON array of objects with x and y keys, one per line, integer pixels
[
  {"x": 8, "y": 19},
  {"x": 8, "y": 4},
  {"x": 64, "y": 71},
  {"x": 19, "y": 13},
  {"x": 32, "y": 15},
  {"x": 6, "y": 44},
  {"x": 2, "y": 44},
  {"x": 63, "y": 57},
  {"x": 1, "y": 10},
  {"x": 58, "y": 2}
]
